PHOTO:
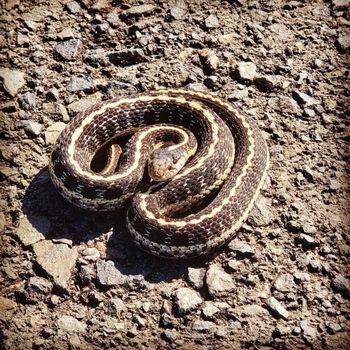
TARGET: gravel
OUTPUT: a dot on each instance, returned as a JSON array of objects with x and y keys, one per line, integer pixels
[{"x": 72, "y": 279}]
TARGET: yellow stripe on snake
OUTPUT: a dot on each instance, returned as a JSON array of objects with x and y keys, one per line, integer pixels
[{"x": 205, "y": 160}]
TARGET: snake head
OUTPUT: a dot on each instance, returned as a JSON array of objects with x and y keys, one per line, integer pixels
[{"x": 165, "y": 163}]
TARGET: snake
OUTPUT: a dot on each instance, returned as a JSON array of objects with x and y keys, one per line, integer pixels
[{"x": 187, "y": 165}]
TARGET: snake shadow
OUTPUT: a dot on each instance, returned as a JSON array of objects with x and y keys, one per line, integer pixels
[{"x": 59, "y": 221}]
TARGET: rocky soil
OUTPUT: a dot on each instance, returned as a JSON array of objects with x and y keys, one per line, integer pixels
[{"x": 73, "y": 280}]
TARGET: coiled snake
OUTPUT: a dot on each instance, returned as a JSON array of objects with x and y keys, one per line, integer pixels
[{"x": 206, "y": 164}]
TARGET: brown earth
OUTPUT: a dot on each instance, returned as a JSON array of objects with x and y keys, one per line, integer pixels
[{"x": 73, "y": 280}]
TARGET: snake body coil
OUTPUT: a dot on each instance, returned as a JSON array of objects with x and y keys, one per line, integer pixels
[{"x": 202, "y": 203}]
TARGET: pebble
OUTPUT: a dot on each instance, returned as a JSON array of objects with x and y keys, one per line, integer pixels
[
  {"x": 211, "y": 22},
  {"x": 309, "y": 333},
  {"x": 218, "y": 281},
  {"x": 91, "y": 254},
  {"x": 288, "y": 105},
  {"x": 39, "y": 284},
  {"x": 27, "y": 101},
  {"x": 301, "y": 277},
  {"x": 196, "y": 277},
  {"x": 116, "y": 306},
  {"x": 84, "y": 103},
  {"x": 30, "y": 25},
  {"x": 32, "y": 230},
  {"x": 343, "y": 41},
  {"x": 339, "y": 5},
  {"x": 127, "y": 57},
  {"x": 267, "y": 82},
  {"x": 140, "y": 10},
  {"x": 333, "y": 328},
  {"x": 186, "y": 300},
  {"x": 56, "y": 109},
  {"x": 239, "y": 95},
  {"x": 86, "y": 274},
  {"x": 53, "y": 131},
  {"x": 209, "y": 60},
  {"x": 246, "y": 71},
  {"x": 285, "y": 283},
  {"x": 203, "y": 326},
  {"x": 179, "y": 10},
  {"x": 304, "y": 99},
  {"x": 341, "y": 285},
  {"x": 108, "y": 274},
  {"x": 69, "y": 49},
  {"x": 73, "y": 7},
  {"x": 276, "y": 308},
  {"x": 253, "y": 310},
  {"x": 113, "y": 19},
  {"x": 5, "y": 305},
  {"x": 242, "y": 248},
  {"x": 32, "y": 127},
  {"x": 80, "y": 83},
  {"x": 210, "y": 310},
  {"x": 170, "y": 335},
  {"x": 57, "y": 260},
  {"x": 69, "y": 324},
  {"x": 13, "y": 80},
  {"x": 307, "y": 241},
  {"x": 261, "y": 214}
]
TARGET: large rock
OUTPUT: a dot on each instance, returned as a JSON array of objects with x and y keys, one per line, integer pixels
[
  {"x": 29, "y": 232},
  {"x": 108, "y": 274}
]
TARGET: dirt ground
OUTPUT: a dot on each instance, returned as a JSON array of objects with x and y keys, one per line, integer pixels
[{"x": 74, "y": 280}]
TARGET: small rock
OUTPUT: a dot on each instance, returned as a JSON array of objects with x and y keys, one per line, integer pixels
[
  {"x": 73, "y": 7},
  {"x": 210, "y": 310},
  {"x": 266, "y": 82},
  {"x": 309, "y": 113},
  {"x": 341, "y": 285},
  {"x": 22, "y": 39},
  {"x": 314, "y": 265},
  {"x": 179, "y": 10},
  {"x": 239, "y": 95},
  {"x": 57, "y": 260},
  {"x": 113, "y": 19},
  {"x": 285, "y": 283},
  {"x": 116, "y": 306},
  {"x": 196, "y": 277},
  {"x": 127, "y": 57},
  {"x": 304, "y": 99},
  {"x": 53, "y": 94},
  {"x": 69, "y": 49},
  {"x": 80, "y": 83},
  {"x": 56, "y": 109},
  {"x": 27, "y": 101},
  {"x": 261, "y": 214},
  {"x": 211, "y": 22},
  {"x": 13, "y": 80},
  {"x": 276, "y": 308},
  {"x": 170, "y": 335},
  {"x": 6, "y": 305},
  {"x": 84, "y": 103},
  {"x": 218, "y": 281},
  {"x": 30, "y": 25},
  {"x": 69, "y": 324},
  {"x": 66, "y": 33},
  {"x": 343, "y": 41},
  {"x": 318, "y": 63},
  {"x": 209, "y": 60},
  {"x": 301, "y": 277},
  {"x": 203, "y": 326},
  {"x": 246, "y": 71},
  {"x": 108, "y": 274},
  {"x": 86, "y": 274},
  {"x": 307, "y": 241},
  {"x": 53, "y": 131},
  {"x": 333, "y": 328},
  {"x": 32, "y": 127},
  {"x": 242, "y": 248},
  {"x": 39, "y": 284},
  {"x": 140, "y": 10},
  {"x": 335, "y": 185},
  {"x": 186, "y": 300},
  {"x": 167, "y": 321},
  {"x": 309, "y": 333},
  {"x": 91, "y": 254},
  {"x": 288, "y": 105},
  {"x": 101, "y": 28},
  {"x": 253, "y": 310},
  {"x": 32, "y": 231},
  {"x": 339, "y": 5}
]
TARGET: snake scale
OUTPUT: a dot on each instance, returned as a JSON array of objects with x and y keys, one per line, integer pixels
[{"x": 206, "y": 164}]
